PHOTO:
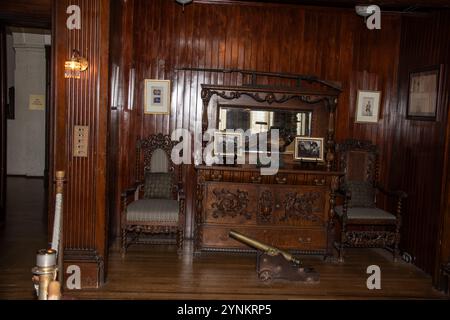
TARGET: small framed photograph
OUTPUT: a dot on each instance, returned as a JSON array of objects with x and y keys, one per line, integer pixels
[
  {"x": 368, "y": 106},
  {"x": 309, "y": 149},
  {"x": 157, "y": 97},
  {"x": 423, "y": 94},
  {"x": 228, "y": 144}
]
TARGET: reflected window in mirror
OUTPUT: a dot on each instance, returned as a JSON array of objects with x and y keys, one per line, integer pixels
[{"x": 289, "y": 122}]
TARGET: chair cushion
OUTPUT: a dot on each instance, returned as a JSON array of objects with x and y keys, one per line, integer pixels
[
  {"x": 365, "y": 213},
  {"x": 153, "y": 210},
  {"x": 363, "y": 194},
  {"x": 158, "y": 186}
]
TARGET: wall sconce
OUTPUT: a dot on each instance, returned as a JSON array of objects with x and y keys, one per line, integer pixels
[{"x": 74, "y": 66}]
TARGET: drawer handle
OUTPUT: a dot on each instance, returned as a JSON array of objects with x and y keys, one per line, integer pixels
[
  {"x": 281, "y": 180},
  {"x": 318, "y": 182},
  {"x": 256, "y": 179},
  {"x": 308, "y": 240},
  {"x": 278, "y": 206},
  {"x": 218, "y": 177}
]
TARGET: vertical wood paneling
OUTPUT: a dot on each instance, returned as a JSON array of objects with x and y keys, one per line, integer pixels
[
  {"x": 83, "y": 102},
  {"x": 332, "y": 44},
  {"x": 418, "y": 159}
]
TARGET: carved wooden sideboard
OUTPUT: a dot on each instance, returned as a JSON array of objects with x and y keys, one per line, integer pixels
[{"x": 291, "y": 210}]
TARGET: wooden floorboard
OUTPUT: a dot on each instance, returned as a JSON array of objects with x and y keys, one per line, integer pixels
[{"x": 157, "y": 272}]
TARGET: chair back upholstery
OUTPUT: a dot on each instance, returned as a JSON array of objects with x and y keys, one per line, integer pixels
[
  {"x": 159, "y": 162},
  {"x": 154, "y": 160},
  {"x": 358, "y": 160}
]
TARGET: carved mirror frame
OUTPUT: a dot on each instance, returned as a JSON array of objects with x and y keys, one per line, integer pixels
[{"x": 304, "y": 97}]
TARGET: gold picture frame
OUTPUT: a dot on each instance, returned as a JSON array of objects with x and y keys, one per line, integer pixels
[{"x": 157, "y": 97}]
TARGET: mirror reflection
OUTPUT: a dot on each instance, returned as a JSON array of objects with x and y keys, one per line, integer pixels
[{"x": 290, "y": 122}]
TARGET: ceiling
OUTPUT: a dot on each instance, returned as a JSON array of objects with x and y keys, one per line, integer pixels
[
  {"x": 30, "y": 13},
  {"x": 394, "y": 5}
]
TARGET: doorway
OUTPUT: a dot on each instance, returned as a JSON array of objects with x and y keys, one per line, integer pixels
[{"x": 25, "y": 160}]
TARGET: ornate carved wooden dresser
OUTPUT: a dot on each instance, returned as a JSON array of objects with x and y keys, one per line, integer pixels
[{"x": 292, "y": 209}]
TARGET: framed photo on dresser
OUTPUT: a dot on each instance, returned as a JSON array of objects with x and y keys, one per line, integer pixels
[{"x": 309, "y": 149}]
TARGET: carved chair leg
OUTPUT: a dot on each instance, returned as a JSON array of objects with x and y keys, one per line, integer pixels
[
  {"x": 396, "y": 245},
  {"x": 341, "y": 253},
  {"x": 124, "y": 244},
  {"x": 342, "y": 245},
  {"x": 180, "y": 236}
]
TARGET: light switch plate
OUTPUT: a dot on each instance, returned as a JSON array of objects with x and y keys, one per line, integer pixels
[{"x": 80, "y": 141}]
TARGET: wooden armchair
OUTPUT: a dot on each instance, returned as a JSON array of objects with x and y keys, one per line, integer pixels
[
  {"x": 156, "y": 205},
  {"x": 360, "y": 223}
]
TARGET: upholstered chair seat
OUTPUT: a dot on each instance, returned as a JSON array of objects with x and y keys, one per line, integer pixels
[
  {"x": 365, "y": 213},
  {"x": 153, "y": 210}
]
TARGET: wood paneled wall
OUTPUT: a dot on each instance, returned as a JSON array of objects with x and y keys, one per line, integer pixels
[
  {"x": 418, "y": 153},
  {"x": 82, "y": 102},
  {"x": 333, "y": 44}
]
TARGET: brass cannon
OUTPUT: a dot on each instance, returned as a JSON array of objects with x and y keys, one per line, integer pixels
[{"x": 274, "y": 263}]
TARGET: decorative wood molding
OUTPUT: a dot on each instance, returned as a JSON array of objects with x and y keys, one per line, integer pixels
[
  {"x": 266, "y": 204},
  {"x": 371, "y": 238}
]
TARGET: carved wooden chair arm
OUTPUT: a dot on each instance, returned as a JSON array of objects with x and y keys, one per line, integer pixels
[
  {"x": 346, "y": 194},
  {"x": 131, "y": 191},
  {"x": 392, "y": 193},
  {"x": 128, "y": 192}
]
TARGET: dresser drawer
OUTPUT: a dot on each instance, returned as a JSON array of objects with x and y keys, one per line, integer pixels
[
  {"x": 229, "y": 203},
  {"x": 283, "y": 238}
]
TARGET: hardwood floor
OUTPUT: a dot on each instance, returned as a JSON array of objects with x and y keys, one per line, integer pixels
[
  {"x": 24, "y": 233},
  {"x": 158, "y": 272}
]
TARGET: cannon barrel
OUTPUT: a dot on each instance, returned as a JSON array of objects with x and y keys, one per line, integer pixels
[{"x": 273, "y": 251}]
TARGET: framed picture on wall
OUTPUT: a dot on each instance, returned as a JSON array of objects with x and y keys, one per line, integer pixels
[
  {"x": 157, "y": 97},
  {"x": 423, "y": 93},
  {"x": 368, "y": 106}
]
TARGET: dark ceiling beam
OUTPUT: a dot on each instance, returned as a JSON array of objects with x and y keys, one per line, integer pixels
[{"x": 26, "y": 13}]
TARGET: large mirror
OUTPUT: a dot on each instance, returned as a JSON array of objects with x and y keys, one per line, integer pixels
[{"x": 289, "y": 122}]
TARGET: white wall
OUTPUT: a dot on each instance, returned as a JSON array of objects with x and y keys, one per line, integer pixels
[{"x": 26, "y": 134}]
